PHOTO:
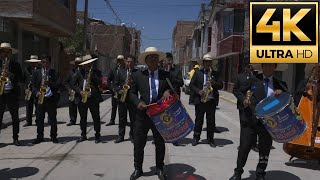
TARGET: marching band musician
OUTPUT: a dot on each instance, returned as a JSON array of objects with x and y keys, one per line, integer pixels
[
  {"x": 30, "y": 97},
  {"x": 177, "y": 81},
  {"x": 86, "y": 86},
  {"x": 125, "y": 77},
  {"x": 111, "y": 78},
  {"x": 152, "y": 86},
  {"x": 199, "y": 83},
  {"x": 46, "y": 83},
  {"x": 304, "y": 85},
  {"x": 241, "y": 82},
  {"x": 262, "y": 86},
  {"x": 11, "y": 75},
  {"x": 73, "y": 105}
]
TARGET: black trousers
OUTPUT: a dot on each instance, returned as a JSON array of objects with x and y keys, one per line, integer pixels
[
  {"x": 73, "y": 113},
  {"x": 50, "y": 106},
  {"x": 142, "y": 126},
  {"x": 244, "y": 124},
  {"x": 208, "y": 108},
  {"x": 123, "y": 113},
  {"x": 29, "y": 109},
  {"x": 247, "y": 137},
  {"x": 114, "y": 108},
  {"x": 10, "y": 100},
  {"x": 95, "y": 113}
]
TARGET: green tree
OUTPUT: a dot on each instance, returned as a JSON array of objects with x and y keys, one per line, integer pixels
[{"x": 74, "y": 44}]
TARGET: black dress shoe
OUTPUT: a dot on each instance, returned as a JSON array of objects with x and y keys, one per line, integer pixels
[
  {"x": 37, "y": 141},
  {"x": 71, "y": 123},
  {"x": 255, "y": 148},
  {"x": 27, "y": 124},
  {"x": 212, "y": 144},
  {"x": 119, "y": 140},
  {"x": 236, "y": 177},
  {"x": 153, "y": 142},
  {"x": 82, "y": 138},
  {"x": 175, "y": 144},
  {"x": 161, "y": 174},
  {"x": 195, "y": 142},
  {"x": 136, "y": 174},
  {"x": 111, "y": 123},
  {"x": 97, "y": 140},
  {"x": 55, "y": 140},
  {"x": 216, "y": 130},
  {"x": 16, "y": 143}
]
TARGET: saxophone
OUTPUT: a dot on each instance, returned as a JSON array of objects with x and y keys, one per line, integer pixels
[
  {"x": 28, "y": 92},
  {"x": 126, "y": 87},
  {"x": 115, "y": 92},
  {"x": 4, "y": 76},
  {"x": 43, "y": 87},
  {"x": 87, "y": 89},
  {"x": 207, "y": 87}
]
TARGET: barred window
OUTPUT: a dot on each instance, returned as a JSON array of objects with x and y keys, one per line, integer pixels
[{"x": 4, "y": 25}]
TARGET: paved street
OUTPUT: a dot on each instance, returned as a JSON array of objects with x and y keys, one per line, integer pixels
[{"x": 69, "y": 160}]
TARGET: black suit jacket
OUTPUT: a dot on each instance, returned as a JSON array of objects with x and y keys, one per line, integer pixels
[
  {"x": 241, "y": 82},
  {"x": 15, "y": 76},
  {"x": 77, "y": 85},
  {"x": 259, "y": 94},
  {"x": 54, "y": 82},
  {"x": 70, "y": 76},
  {"x": 177, "y": 81},
  {"x": 300, "y": 91},
  {"x": 141, "y": 85},
  {"x": 196, "y": 85}
]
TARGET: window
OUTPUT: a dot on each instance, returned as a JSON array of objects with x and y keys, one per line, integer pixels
[
  {"x": 227, "y": 24},
  {"x": 4, "y": 25}
]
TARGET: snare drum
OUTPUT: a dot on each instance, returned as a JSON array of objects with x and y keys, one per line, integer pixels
[
  {"x": 280, "y": 117},
  {"x": 171, "y": 119}
]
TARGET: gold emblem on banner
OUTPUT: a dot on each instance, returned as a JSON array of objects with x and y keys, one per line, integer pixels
[
  {"x": 271, "y": 122},
  {"x": 166, "y": 119}
]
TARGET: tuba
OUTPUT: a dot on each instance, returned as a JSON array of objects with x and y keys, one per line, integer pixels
[
  {"x": 4, "y": 75},
  {"x": 126, "y": 86},
  {"x": 43, "y": 87},
  {"x": 87, "y": 89},
  {"x": 207, "y": 87}
]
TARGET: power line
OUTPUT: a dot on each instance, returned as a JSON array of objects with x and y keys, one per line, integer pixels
[{"x": 113, "y": 10}]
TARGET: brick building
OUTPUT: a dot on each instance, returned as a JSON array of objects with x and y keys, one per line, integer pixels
[{"x": 33, "y": 26}]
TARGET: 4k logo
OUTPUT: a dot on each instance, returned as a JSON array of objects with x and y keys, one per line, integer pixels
[{"x": 284, "y": 32}]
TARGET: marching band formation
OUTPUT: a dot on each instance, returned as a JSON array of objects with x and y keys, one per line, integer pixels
[{"x": 135, "y": 92}]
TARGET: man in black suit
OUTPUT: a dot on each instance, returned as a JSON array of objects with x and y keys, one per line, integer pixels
[
  {"x": 114, "y": 98},
  {"x": 152, "y": 86},
  {"x": 198, "y": 84},
  {"x": 29, "y": 96},
  {"x": 81, "y": 81},
  {"x": 125, "y": 77},
  {"x": 242, "y": 81},
  {"x": 49, "y": 78},
  {"x": 73, "y": 105},
  {"x": 262, "y": 86},
  {"x": 11, "y": 89}
]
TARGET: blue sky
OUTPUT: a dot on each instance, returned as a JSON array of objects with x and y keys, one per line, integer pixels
[{"x": 156, "y": 19}]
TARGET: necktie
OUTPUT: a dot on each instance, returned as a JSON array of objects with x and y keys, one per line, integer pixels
[
  {"x": 266, "y": 81},
  {"x": 153, "y": 88}
]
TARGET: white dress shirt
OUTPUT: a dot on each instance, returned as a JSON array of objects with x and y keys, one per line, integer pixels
[
  {"x": 270, "y": 85},
  {"x": 156, "y": 78}
]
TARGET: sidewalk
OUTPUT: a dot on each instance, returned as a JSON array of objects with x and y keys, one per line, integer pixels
[{"x": 228, "y": 96}]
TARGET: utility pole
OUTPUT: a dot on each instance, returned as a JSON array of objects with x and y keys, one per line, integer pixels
[
  {"x": 202, "y": 25},
  {"x": 85, "y": 22}
]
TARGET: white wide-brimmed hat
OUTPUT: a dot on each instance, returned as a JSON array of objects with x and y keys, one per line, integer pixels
[
  {"x": 151, "y": 50},
  {"x": 280, "y": 66},
  {"x": 120, "y": 57},
  {"x": 87, "y": 59},
  {"x": 8, "y": 46},
  {"x": 77, "y": 60},
  {"x": 33, "y": 59},
  {"x": 208, "y": 57}
]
